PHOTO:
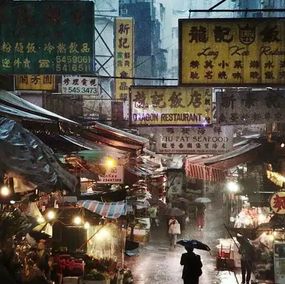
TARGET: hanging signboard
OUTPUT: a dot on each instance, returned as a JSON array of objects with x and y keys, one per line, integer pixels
[
  {"x": 115, "y": 175},
  {"x": 277, "y": 202},
  {"x": 80, "y": 85},
  {"x": 124, "y": 57},
  {"x": 35, "y": 82},
  {"x": 247, "y": 107},
  {"x": 39, "y": 37},
  {"x": 224, "y": 52},
  {"x": 204, "y": 140},
  {"x": 170, "y": 105}
]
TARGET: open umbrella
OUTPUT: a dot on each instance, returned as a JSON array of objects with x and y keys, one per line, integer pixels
[
  {"x": 174, "y": 211},
  {"x": 194, "y": 244},
  {"x": 202, "y": 200},
  {"x": 245, "y": 245}
]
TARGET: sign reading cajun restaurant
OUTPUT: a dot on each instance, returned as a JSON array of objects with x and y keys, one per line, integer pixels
[
  {"x": 250, "y": 107},
  {"x": 124, "y": 56},
  {"x": 195, "y": 140},
  {"x": 80, "y": 85},
  {"x": 277, "y": 202},
  {"x": 51, "y": 37},
  {"x": 35, "y": 82},
  {"x": 222, "y": 52},
  {"x": 170, "y": 105}
]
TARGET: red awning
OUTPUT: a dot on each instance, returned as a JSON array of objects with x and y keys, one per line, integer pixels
[
  {"x": 215, "y": 168},
  {"x": 203, "y": 172}
]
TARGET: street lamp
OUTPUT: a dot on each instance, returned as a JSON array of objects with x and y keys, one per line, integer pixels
[{"x": 232, "y": 187}]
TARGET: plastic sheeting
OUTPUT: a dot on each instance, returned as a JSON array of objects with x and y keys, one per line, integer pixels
[{"x": 23, "y": 154}]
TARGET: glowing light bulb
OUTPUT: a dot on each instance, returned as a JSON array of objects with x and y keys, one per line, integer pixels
[
  {"x": 77, "y": 220},
  {"x": 5, "y": 191}
]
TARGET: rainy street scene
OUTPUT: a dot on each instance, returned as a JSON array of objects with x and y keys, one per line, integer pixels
[{"x": 142, "y": 142}]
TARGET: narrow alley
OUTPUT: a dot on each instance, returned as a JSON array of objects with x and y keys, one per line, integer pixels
[{"x": 157, "y": 263}]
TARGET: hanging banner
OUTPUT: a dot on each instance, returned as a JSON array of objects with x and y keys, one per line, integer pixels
[
  {"x": 80, "y": 85},
  {"x": 39, "y": 37},
  {"x": 170, "y": 105},
  {"x": 248, "y": 107},
  {"x": 223, "y": 52},
  {"x": 277, "y": 202},
  {"x": 204, "y": 140},
  {"x": 116, "y": 175},
  {"x": 124, "y": 57},
  {"x": 35, "y": 82}
]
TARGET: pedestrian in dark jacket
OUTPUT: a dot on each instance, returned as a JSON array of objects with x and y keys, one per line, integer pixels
[{"x": 192, "y": 269}]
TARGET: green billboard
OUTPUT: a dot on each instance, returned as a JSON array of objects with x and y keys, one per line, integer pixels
[{"x": 47, "y": 37}]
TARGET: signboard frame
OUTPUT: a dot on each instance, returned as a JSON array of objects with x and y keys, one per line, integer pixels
[
  {"x": 47, "y": 37},
  {"x": 208, "y": 118},
  {"x": 203, "y": 140},
  {"x": 225, "y": 82}
]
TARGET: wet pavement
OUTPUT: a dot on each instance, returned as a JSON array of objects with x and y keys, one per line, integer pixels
[{"x": 157, "y": 263}]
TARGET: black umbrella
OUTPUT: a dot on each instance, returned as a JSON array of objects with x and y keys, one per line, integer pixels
[
  {"x": 194, "y": 244},
  {"x": 245, "y": 244}
]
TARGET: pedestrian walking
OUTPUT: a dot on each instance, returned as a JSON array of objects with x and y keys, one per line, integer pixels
[
  {"x": 247, "y": 253},
  {"x": 173, "y": 231},
  {"x": 192, "y": 266},
  {"x": 152, "y": 211},
  {"x": 200, "y": 216}
]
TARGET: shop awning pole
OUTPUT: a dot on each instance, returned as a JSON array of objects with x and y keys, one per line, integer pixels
[{"x": 231, "y": 235}]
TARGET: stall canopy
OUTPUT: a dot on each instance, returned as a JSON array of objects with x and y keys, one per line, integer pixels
[
  {"x": 215, "y": 168},
  {"x": 24, "y": 155},
  {"x": 111, "y": 136},
  {"x": 12, "y": 106},
  {"x": 112, "y": 210}
]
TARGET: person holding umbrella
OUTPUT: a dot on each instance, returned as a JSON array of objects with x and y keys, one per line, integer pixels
[
  {"x": 192, "y": 266},
  {"x": 173, "y": 231},
  {"x": 247, "y": 253}
]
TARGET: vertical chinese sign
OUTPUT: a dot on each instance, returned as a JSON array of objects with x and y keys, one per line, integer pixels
[
  {"x": 124, "y": 59},
  {"x": 35, "y": 82},
  {"x": 170, "y": 105},
  {"x": 47, "y": 37},
  {"x": 221, "y": 52}
]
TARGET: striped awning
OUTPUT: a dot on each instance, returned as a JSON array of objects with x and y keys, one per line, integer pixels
[
  {"x": 200, "y": 171},
  {"x": 112, "y": 210}
]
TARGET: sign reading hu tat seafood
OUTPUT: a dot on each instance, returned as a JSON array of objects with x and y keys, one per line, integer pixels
[
  {"x": 170, "y": 106},
  {"x": 198, "y": 140}
]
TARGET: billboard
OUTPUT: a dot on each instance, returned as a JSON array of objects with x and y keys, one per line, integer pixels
[
  {"x": 224, "y": 52},
  {"x": 170, "y": 105},
  {"x": 35, "y": 82},
  {"x": 195, "y": 140},
  {"x": 124, "y": 57},
  {"x": 40, "y": 37},
  {"x": 250, "y": 107}
]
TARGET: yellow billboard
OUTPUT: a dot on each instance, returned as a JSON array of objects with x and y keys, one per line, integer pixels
[
  {"x": 170, "y": 105},
  {"x": 35, "y": 82},
  {"x": 232, "y": 52},
  {"x": 124, "y": 57}
]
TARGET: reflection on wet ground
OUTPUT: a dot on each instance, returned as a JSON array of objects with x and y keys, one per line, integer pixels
[{"x": 157, "y": 263}]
